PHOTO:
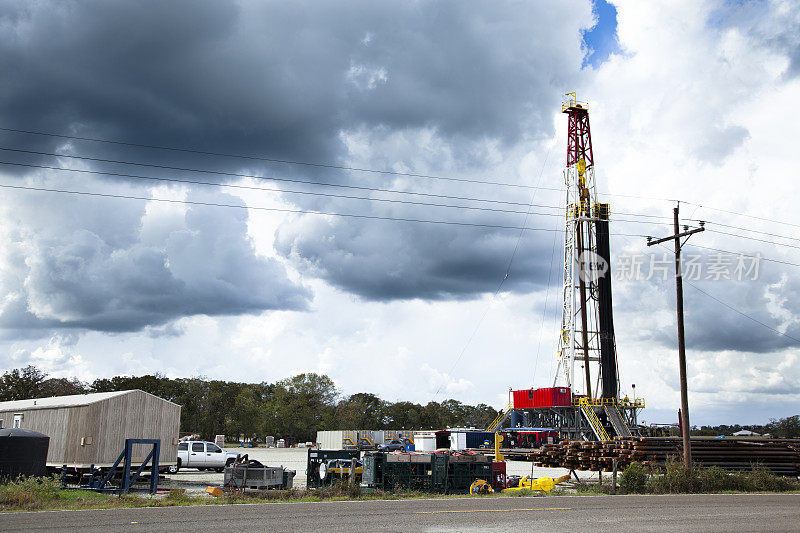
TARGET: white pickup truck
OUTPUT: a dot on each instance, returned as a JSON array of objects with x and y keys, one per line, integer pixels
[{"x": 202, "y": 455}]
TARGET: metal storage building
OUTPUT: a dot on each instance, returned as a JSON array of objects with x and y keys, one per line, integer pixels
[{"x": 86, "y": 429}]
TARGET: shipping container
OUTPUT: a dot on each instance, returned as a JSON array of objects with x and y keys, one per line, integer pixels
[
  {"x": 552, "y": 397},
  {"x": 479, "y": 439},
  {"x": 344, "y": 439},
  {"x": 523, "y": 399},
  {"x": 364, "y": 439},
  {"x": 540, "y": 398},
  {"x": 558, "y": 396},
  {"x": 562, "y": 396},
  {"x": 465, "y": 438}
]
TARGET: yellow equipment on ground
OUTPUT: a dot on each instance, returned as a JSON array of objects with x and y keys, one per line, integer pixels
[
  {"x": 498, "y": 439},
  {"x": 544, "y": 484},
  {"x": 343, "y": 471},
  {"x": 480, "y": 486}
]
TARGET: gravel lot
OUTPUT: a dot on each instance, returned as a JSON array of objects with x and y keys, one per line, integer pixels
[
  {"x": 295, "y": 459},
  {"x": 193, "y": 480}
]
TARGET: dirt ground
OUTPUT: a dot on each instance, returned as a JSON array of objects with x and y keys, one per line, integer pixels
[{"x": 193, "y": 480}]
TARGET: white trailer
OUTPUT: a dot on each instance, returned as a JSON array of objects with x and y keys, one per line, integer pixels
[{"x": 425, "y": 441}]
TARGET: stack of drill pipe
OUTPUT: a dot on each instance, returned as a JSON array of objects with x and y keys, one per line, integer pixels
[
  {"x": 731, "y": 454},
  {"x": 779, "y": 456}
]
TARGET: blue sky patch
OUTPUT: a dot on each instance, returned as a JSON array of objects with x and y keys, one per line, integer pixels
[{"x": 601, "y": 40}]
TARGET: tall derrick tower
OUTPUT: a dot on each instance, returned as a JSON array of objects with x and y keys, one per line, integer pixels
[
  {"x": 588, "y": 406},
  {"x": 587, "y": 330}
]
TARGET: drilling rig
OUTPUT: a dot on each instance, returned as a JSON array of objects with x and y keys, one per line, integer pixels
[{"x": 585, "y": 406}]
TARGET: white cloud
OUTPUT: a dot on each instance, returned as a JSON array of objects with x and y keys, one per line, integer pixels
[{"x": 693, "y": 108}]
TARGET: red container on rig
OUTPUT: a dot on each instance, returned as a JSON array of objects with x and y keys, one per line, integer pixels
[
  {"x": 523, "y": 399},
  {"x": 555, "y": 397},
  {"x": 546, "y": 397}
]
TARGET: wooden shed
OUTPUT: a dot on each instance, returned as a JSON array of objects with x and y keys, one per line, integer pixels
[{"x": 86, "y": 429}]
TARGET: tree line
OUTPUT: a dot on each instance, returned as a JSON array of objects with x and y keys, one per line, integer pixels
[
  {"x": 780, "y": 428},
  {"x": 294, "y": 408}
]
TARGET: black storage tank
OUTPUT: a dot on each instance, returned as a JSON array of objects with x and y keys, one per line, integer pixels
[{"x": 23, "y": 452}]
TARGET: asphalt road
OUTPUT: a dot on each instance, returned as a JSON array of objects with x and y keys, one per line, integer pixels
[{"x": 761, "y": 512}]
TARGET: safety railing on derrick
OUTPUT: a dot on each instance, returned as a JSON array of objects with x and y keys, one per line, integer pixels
[
  {"x": 571, "y": 100},
  {"x": 600, "y": 402}
]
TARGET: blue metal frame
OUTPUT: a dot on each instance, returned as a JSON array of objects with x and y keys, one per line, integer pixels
[{"x": 127, "y": 478}]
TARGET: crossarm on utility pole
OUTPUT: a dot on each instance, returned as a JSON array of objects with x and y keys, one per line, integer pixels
[{"x": 678, "y": 236}]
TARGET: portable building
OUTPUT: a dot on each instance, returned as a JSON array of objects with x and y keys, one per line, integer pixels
[
  {"x": 545, "y": 397},
  {"x": 425, "y": 441},
  {"x": 347, "y": 439},
  {"x": 464, "y": 438},
  {"x": 523, "y": 399},
  {"x": 351, "y": 439},
  {"x": 86, "y": 429},
  {"x": 554, "y": 397}
]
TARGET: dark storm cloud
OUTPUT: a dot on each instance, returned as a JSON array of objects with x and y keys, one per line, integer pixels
[
  {"x": 438, "y": 87},
  {"x": 384, "y": 261},
  {"x": 710, "y": 323},
  {"x": 278, "y": 78},
  {"x": 714, "y": 326},
  {"x": 170, "y": 265}
]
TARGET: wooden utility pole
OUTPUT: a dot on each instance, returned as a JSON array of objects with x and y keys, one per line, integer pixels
[{"x": 676, "y": 237}]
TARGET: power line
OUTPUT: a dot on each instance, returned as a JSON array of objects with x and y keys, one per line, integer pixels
[
  {"x": 269, "y": 178},
  {"x": 754, "y": 239},
  {"x": 743, "y": 214},
  {"x": 761, "y": 257},
  {"x": 318, "y": 183},
  {"x": 326, "y": 184},
  {"x": 276, "y": 209},
  {"x": 285, "y": 210},
  {"x": 746, "y": 229},
  {"x": 309, "y": 164},
  {"x": 744, "y": 314},
  {"x": 368, "y": 170},
  {"x": 330, "y": 195},
  {"x": 525, "y": 220},
  {"x": 271, "y": 160},
  {"x": 285, "y": 191},
  {"x": 638, "y": 197},
  {"x": 733, "y": 308},
  {"x": 544, "y": 311}
]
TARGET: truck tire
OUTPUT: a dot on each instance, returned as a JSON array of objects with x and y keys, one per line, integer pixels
[{"x": 173, "y": 469}]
